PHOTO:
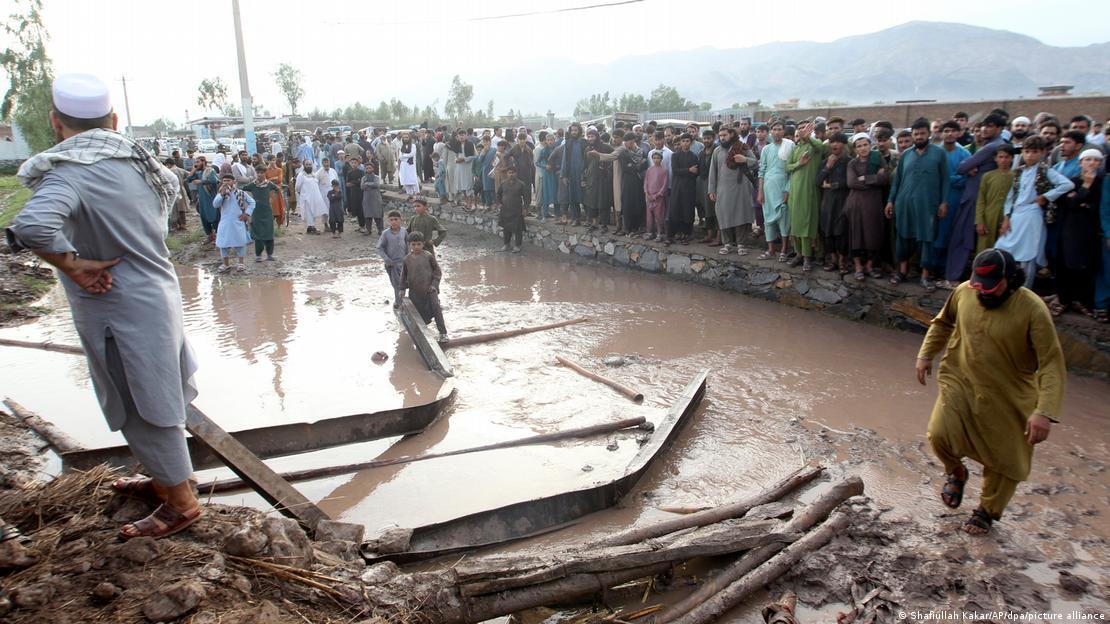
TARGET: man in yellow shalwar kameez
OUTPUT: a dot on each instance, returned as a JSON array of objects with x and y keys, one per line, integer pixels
[{"x": 1001, "y": 383}]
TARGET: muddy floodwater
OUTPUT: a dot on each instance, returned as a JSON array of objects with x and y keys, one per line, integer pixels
[{"x": 787, "y": 386}]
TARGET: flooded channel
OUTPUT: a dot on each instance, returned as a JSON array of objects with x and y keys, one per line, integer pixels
[{"x": 298, "y": 349}]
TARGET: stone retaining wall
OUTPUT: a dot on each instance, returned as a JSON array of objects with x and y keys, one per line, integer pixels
[{"x": 1086, "y": 343}]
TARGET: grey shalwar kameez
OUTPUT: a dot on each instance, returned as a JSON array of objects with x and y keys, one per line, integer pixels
[{"x": 133, "y": 335}]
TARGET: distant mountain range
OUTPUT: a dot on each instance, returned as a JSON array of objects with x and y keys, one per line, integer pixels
[{"x": 916, "y": 60}]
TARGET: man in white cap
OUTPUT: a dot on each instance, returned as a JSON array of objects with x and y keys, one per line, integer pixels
[
  {"x": 1019, "y": 130},
  {"x": 98, "y": 213}
]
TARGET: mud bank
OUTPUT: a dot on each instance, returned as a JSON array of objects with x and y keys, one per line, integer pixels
[{"x": 1086, "y": 343}]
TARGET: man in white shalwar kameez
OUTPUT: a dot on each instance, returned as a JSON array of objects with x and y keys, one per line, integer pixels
[{"x": 309, "y": 202}]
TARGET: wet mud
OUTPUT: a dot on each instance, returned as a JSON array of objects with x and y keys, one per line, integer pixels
[{"x": 292, "y": 341}]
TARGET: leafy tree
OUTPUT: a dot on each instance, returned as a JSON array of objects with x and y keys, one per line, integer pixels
[
  {"x": 212, "y": 94},
  {"x": 705, "y": 106},
  {"x": 28, "y": 100},
  {"x": 489, "y": 109},
  {"x": 596, "y": 104},
  {"x": 398, "y": 110},
  {"x": 357, "y": 111},
  {"x": 162, "y": 125},
  {"x": 664, "y": 99},
  {"x": 382, "y": 112},
  {"x": 458, "y": 99},
  {"x": 289, "y": 81},
  {"x": 632, "y": 103},
  {"x": 231, "y": 110}
]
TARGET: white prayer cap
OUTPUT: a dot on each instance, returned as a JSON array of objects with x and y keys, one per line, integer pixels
[
  {"x": 1020, "y": 120},
  {"x": 860, "y": 135},
  {"x": 1094, "y": 152},
  {"x": 82, "y": 96}
]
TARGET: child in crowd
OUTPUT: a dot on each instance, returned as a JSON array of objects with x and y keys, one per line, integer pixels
[
  {"x": 392, "y": 247},
  {"x": 428, "y": 226},
  {"x": 655, "y": 194},
  {"x": 262, "y": 219},
  {"x": 232, "y": 235},
  {"x": 420, "y": 276},
  {"x": 335, "y": 210},
  {"x": 992, "y": 195},
  {"x": 441, "y": 177},
  {"x": 1028, "y": 204}
]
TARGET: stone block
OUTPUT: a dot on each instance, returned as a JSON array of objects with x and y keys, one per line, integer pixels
[
  {"x": 802, "y": 286},
  {"x": 585, "y": 251},
  {"x": 649, "y": 261},
  {"x": 620, "y": 255},
  {"x": 335, "y": 530},
  {"x": 824, "y": 295},
  {"x": 610, "y": 248},
  {"x": 678, "y": 264},
  {"x": 762, "y": 278}
]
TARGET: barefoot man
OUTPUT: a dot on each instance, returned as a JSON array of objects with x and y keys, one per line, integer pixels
[
  {"x": 1001, "y": 383},
  {"x": 98, "y": 213}
]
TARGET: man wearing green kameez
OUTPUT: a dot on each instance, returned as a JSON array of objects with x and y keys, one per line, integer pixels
[
  {"x": 262, "y": 219},
  {"x": 918, "y": 197},
  {"x": 804, "y": 201},
  {"x": 1001, "y": 383}
]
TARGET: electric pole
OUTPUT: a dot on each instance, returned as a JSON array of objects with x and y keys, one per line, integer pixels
[
  {"x": 244, "y": 87},
  {"x": 127, "y": 106}
]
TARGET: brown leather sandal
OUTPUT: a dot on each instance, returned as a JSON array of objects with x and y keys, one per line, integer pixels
[{"x": 165, "y": 521}]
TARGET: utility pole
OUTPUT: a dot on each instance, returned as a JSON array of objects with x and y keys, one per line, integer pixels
[
  {"x": 127, "y": 106},
  {"x": 244, "y": 87}
]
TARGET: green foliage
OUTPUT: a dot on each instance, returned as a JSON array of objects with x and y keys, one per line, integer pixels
[
  {"x": 458, "y": 99},
  {"x": 664, "y": 98},
  {"x": 289, "y": 82},
  {"x": 632, "y": 103},
  {"x": 596, "y": 105},
  {"x": 212, "y": 94},
  {"x": 28, "y": 99},
  {"x": 12, "y": 197},
  {"x": 163, "y": 125}
]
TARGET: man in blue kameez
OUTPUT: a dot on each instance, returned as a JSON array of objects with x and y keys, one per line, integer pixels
[
  {"x": 918, "y": 197},
  {"x": 949, "y": 133}
]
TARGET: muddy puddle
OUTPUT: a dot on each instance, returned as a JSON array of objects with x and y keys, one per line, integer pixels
[{"x": 787, "y": 387}]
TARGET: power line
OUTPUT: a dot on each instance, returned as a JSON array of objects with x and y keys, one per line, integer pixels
[{"x": 489, "y": 18}]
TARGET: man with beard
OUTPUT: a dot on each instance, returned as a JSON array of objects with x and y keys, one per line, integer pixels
[
  {"x": 730, "y": 187},
  {"x": 512, "y": 202},
  {"x": 963, "y": 238},
  {"x": 966, "y": 138},
  {"x": 387, "y": 163},
  {"x": 684, "y": 177},
  {"x": 803, "y": 165},
  {"x": 1050, "y": 132},
  {"x": 1001, "y": 383},
  {"x": 427, "y": 146},
  {"x": 1019, "y": 129},
  {"x": 459, "y": 156},
  {"x": 407, "y": 165},
  {"x": 746, "y": 134},
  {"x": 950, "y": 131},
  {"x": 599, "y": 182},
  {"x": 918, "y": 197},
  {"x": 97, "y": 213},
  {"x": 572, "y": 170}
]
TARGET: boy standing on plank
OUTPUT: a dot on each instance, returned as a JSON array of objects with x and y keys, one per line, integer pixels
[
  {"x": 392, "y": 248},
  {"x": 420, "y": 275}
]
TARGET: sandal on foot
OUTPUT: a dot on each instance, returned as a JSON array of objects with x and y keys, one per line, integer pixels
[
  {"x": 897, "y": 278},
  {"x": 741, "y": 251},
  {"x": 725, "y": 250},
  {"x": 783, "y": 257},
  {"x": 767, "y": 255},
  {"x": 860, "y": 276},
  {"x": 980, "y": 521},
  {"x": 137, "y": 487},
  {"x": 875, "y": 274},
  {"x": 928, "y": 285},
  {"x": 1080, "y": 308},
  {"x": 165, "y": 521},
  {"x": 954, "y": 490},
  {"x": 828, "y": 267}
]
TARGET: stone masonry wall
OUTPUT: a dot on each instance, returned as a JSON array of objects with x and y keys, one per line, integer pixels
[{"x": 1086, "y": 343}]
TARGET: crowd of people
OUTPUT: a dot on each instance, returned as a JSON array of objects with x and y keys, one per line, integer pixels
[{"x": 849, "y": 197}]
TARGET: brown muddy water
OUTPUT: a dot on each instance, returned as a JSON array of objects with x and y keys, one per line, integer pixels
[{"x": 787, "y": 386}]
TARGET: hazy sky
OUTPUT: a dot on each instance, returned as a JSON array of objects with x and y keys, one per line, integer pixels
[{"x": 373, "y": 50}]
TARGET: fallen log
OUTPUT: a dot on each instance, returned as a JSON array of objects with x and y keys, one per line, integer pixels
[
  {"x": 462, "y": 341},
  {"x": 227, "y": 485},
  {"x": 637, "y": 397},
  {"x": 569, "y": 588},
  {"x": 53, "y": 436},
  {"x": 801, "y": 522},
  {"x": 709, "y": 516},
  {"x": 42, "y": 346},
  {"x": 734, "y": 594},
  {"x": 487, "y": 575}
]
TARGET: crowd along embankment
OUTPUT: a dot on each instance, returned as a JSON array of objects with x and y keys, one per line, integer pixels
[{"x": 908, "y": 307}]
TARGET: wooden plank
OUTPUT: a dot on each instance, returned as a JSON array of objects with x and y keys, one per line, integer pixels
[
  {"x": 280, "y": 440},
  {"x": 54, "y": 437},
  {"x": 284, "y": 497},
  {"x": 429, "y": 349}
]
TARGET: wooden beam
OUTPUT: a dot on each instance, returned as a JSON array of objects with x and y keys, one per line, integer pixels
[
  {"x": 284, "y": 497},
  {"x": 508, "y": 333},
  {"x": 429, "y": 349}
]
